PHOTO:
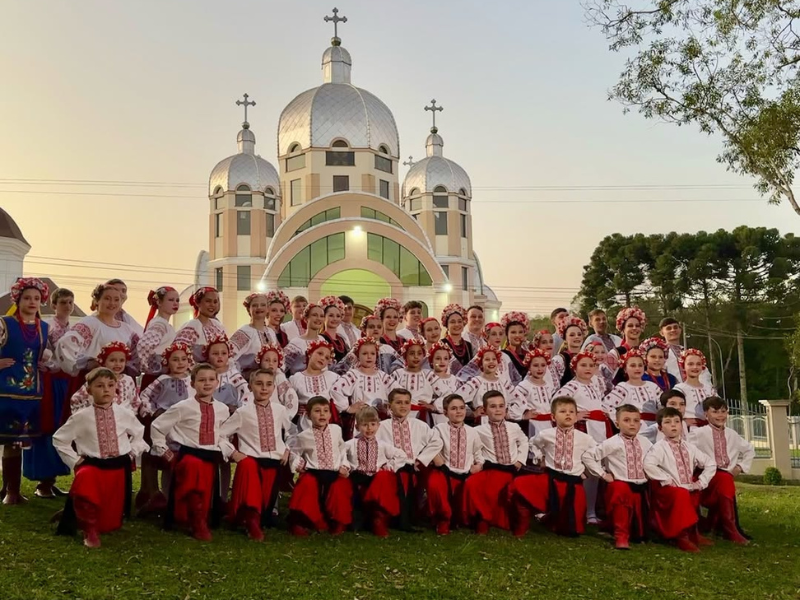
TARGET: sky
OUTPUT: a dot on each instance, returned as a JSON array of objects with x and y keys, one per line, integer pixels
[{"x": 142, "y": 94}]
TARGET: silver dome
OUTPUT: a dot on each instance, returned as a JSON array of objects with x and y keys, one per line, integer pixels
[
  {"x": 246, "y": 167},
  {"x": 434, "y": 171}
]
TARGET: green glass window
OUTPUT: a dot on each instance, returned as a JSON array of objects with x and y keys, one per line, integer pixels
[
  {"x": 311, "y": 260},
  {"x": 398, "y": 259},
  {"x": 370, "y": 213},
  {"x": 326, "y": 215}
]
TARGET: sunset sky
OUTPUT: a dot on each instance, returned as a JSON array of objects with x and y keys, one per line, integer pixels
[{"x": 115, "y": 112}]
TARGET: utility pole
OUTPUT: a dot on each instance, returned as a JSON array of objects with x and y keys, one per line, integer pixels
[{"x": 742, "y": 370}]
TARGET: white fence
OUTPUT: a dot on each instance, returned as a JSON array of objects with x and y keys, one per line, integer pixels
[
  {"x": 750, "y": 421},
  {"x": 794, "y": 440}
]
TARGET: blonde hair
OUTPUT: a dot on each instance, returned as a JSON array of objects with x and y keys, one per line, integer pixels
[
  {"x": 100, "y": 373},
  {"x": 368, "y": 414}
]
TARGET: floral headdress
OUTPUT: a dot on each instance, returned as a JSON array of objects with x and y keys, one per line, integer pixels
[
  {"x": 153, "y": 298},
  {"x": 176, "y": 347},
  {"x": 365, "y": 341},
  {"x": 331, "y": 301},
  {"x": 594, "y": 344},
  {"x": 385, "y": 303},
  {"x": 632, "y": 353},
  {"x": 651, "y": 344},
  {"x": 450, "y": 310},
  {"x": 435, "y": 348},
  {"x": 515, "y": 317},
  {"x": 690, "y": 352},
  {"x": 486, "y": 350},
  {"x": 535, "y": 353},
  {"x": 249, "y": 300},
  {"x": 489, "y": 326},
  {"x": 408, "y": 344},
  {"x": 106, "y": 351},
  {"x": 270, "y": 348},
  {"x": 277, "y": 296},
  {"x": 365, "y": 320},
  {"x": 217, "y": 339},
  {"x": 427, "y": 320},
  {"x": 197, "y": 297},
  {"x": 633, "y": 312},
  {"x": 26, "y": 283},
  {"x": 580, "y": 355},
  {"x": 309, "y": 307},
  {"x": 571, "y": 321},
  {"x": 537, "y": 337},
  {"x": 315, "y": 345}
]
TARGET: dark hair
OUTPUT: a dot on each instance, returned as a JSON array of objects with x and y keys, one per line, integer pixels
[
  {"x": 297, "y": 299},
  {"x": 475, "y": 306},
  {"x": 627, "y": 408},
  {"x": 411, "y": 304},
  {"x": 258, "y": 372},
  {"x": 202, "y": 367},
  {"x": 449, "y": 398},
  {"x": 116, "y": 282},
  {"x": 667, "y": 321},
  {"x": 714, "y": 402},
  {"x": 665, "y": 412},
  {"x": 595, "y": 312},
  {"x": 558, "y": 401},
  {"x": 100, "y": 373},
  {"x": 557, "y": 311},
  {"x": 346, "y": 299},
  {"x": 492, "y": 394},
  {"x": 665, "y": 396},
  {"x": 98, "y": 292},
  {"x": 398, "y": 392},
  {"x": 317, "y": 401},
  {"x": 59, "y": 293}
]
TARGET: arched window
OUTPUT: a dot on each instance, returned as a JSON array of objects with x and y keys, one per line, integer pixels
[
  {"x": 383, "y": 163},
  {"x": 339, "y": 144},
  {"x": 398, "y": 259},
  {"x": 414, "y": 203},
  {"x": 325, "y": 215},
  {"x": 219, "y": 198},
  {"x": 383, "y": 149},
  {"x": 462, "y": 200},
  {"x": 243, "y": 196},
  {"x": 311, "y": 260},
  {"x": 440, "y": 199},
  {"x": 270, "y": 205},
  {"x": 298, "y": 160},
  {"x": 294, "y": 148},
  {"x": 218, "y": 190},
  {"x": 339, "y": 157}
]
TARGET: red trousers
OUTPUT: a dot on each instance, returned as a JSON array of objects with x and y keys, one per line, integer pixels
[
  {"x": 98, "y": 496},
  {"x": 380, "y": 493},
  {"x": 533, "y": 488},
  {"x": 626, "y": 509},
  {"x": 674, "y": 509},
  {"x": 565, "y": 519},
  {"x": 447, "y": 499},
  {"x": 254, "y": 487},
  {"x": 315, "y": 501},
  {"x": 193, "y": 487},
  {"x": 720, "y": 500},
  {"x": 488, "y": 497}
]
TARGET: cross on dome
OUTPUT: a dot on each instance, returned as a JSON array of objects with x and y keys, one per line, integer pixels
[
  {"x": 245, "y": 103},
  {"x": 336, "y": 19},
  {"x": 433, "y": 108},
  {"x": 410, "y": 162}
]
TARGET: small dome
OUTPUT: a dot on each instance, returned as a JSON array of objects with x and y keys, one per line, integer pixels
[
  {"x": 436, "y": 170},
  {"x": 10, "y": 229},
  {"x": 246, "y": 168}
]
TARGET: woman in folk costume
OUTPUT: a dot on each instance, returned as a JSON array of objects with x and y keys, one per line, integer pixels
[
  {"x": 630, "y": 323},
  {"x": 278, "y": 305},
  {"x": 493, "y": 335},
  {"x": 388, "y": 311},
  {"x": 196, "y": 332},
  {"x": 248, "y": 339},
  {"x": 573, "y": 331},
  {"x": 515, "y": 324},
  {"x": 655, "y": 352},
  {"x": 644, "y": 395},
  {"x": 333, "y": 309},
  {"x": 23, "y": 342},
  {"x": 294, "y": 355},
  {"x": 315, "y": 380},
  {"x": 453, "y": 320},
  {"x": 121, "y": 315},
  {"x": 158, "y": 333},
  {"x": 431, "y": 332}
]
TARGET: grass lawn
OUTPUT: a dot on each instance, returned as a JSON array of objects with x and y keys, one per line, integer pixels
[{"x": 143, "y": 562}]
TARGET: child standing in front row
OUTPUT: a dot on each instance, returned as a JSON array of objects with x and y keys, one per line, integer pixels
[
  {"x": 260, "y": 426},
  {"x": 106, "y": 438}
]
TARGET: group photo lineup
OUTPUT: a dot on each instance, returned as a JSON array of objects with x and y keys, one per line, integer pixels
[{"x": 566, "y": 364}]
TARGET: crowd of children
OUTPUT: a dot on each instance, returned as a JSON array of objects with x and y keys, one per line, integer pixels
[{"x": 390, "y": 425}]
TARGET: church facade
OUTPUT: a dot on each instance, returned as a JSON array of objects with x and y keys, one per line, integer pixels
[{"x": 333, "y": 218}]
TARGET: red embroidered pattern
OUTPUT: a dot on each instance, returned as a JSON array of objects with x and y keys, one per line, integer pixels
[
  {"x": 565, "y": 443},
  {"x": 401, "y": 434},
  {"x": 458, "y": 447},
  {"x": 266, "y": 427},
  {"x": 324, "y": 446},
  {"x": 682, "y": 461},
  {"x": 206, "y": 435},
  {"x": 315, "y": 385},
  {"x": 720, "y": 447},
  {"x": 106, "y": 427},
  {"x": 634, "y": 460},
  {"x": 502, "y": 452},
  {"x": 85, "y": 333},
  {"x": 367, "y": 451}
]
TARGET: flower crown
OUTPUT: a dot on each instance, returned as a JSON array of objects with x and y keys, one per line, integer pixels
[
  {"x": 197, "y": 297},
  {"x": 633, "y": 312},
  {"x": 309, "y": 307},
  {"x": 249, "y": 300},
  {"x": 572, "y": 321},
  {"x": 632, "y": 353},
  {"x": 435, "y": 348},
  {"x": 217, "y": 339},
  {"x": 331, "y": 301},
  {"x": 270, "y": 348},
  {"x": 176, "y": 347},
  {"x": 364, "y": 341},
  {"x": 278, "y": 297},
  {"x": 450, "y": 310},
  {"x": 489, "y": 326},
  {"x": 106, "y": 351},
  {"x": 365, "y": 320},
  {"x": 577, "y": 358},
  {"x": 427, "y": 320},
  {"x": 153, "y": 295},
  {"x": 651, "y": 344},
  {"x": 408, "y": 344},
  {"x": 486, "y": 350},
  {"x": 385, "y": 303},
  {"x": 515, "y": 317},
  {"x": 690, "y": 352},
  {"x": 535, "y": 353},
  {"x": 25, "y": 283},
  {"x": 315, "y": 345},
  {"x": 537, "y": 337}
]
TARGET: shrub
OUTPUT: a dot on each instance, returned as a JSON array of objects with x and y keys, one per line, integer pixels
[{"x": 772, "y": 476}]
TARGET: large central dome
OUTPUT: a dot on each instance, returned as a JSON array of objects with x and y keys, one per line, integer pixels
[{"x": 337, "y": 109}]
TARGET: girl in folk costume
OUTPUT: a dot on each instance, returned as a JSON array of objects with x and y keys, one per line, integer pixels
[
  {"x": 655, "y": 351},
  {"x": 363, "y": 385},
  {"x": 453, "y": 319},
  {"x": 196, "y": 332},
  {"x": 630, "y": 323},
  {"x": 414, "y": 379},
  {"x": 644, "y": 395},
  {"x": 488, "y": 380},
  {"x": 693, "y": 363},
  {"x": 388, "y": 310},
  {"x": 271, "y": 357},
  {"x": 315, "y": 380},
  {"x": 114, "y": 357},
  {"x": 543, "y": 340},
  {"x": 442, "y": 381},
  {"x": 333, "y": 309},
  {"x": 515, "y": 324},
  {"x": 412, "y": 317},
  {"x": 493, "y": 335},
  {"x": 431, "y": 332},
  {"x": 232, "y": 390},
  {"x": 166, "y": 391},
  {"x": 297, "y": 326},
  {"x": 121, "y": 315},
  {"x": 604, "y": 379},
  {"x": 294, "y": 355},
  {"x": 573, "y": 331},
  {"x": 248, "y": 339},
  {"x": 532, "y": 396},
  {"x": 158, "y": 333},
  {"x": 278, "y": 304},
  {"x": 347, "y": 329},
  {"x": 106, "y": 437},
  {"x": 475, "y": 328},
  {"x": 23, "y": 342}
]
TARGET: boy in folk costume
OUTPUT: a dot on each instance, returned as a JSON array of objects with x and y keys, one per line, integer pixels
[
  {"x": 670, "y": 399},
  {"x": 655, "y": 352},
  {"x": 115, "y": 357},
  {"x": 260, "y": 427},
  {"x": 644, "y": 395},
  {"x": 418, "y": 444},
  {"x": 106, "y": 438},
  {"x": 693, "y": 364},
  {"x": 372, "y": 472},
  {"x": 475, "y": 329},
  {"x": 733, "y": 455},
  {"x": 675, "y": 495},
  {"x": 619, "y": 461},
  {"x": 532, "y": 397},
  {"x": 315, "y": 380},
  {"x": 473, "y": 389},
  {"x": 598, "y": 321},
  {"x": 297, "y": 326},
  {"x": 322, "y": 496},
  {"x": 194, "y": 425},
  {"x": 270, "y": 356},
  {"x": 411, "y": 377},
  {"x": 412, "y": 316},
  {"x": 461, "y": 456}
]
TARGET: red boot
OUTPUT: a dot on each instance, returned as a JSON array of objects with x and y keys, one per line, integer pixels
[
  {"x": 482, "y": 528},
  {"x": 12, "y": 480},
  {"x": 298, "y": 531},
  {"x": 621, "y": 520},
  {"x": 86, "y": 515},
  {"x": 380, "y": 524},
  {"x": 684, "y": 543},
  {"x": 252, "y": 522},
  {"x": 522, "y": 518},
  {"x": 337, "y": 528},
  {"x": 443, "y": 527},
  {"x": 727, "y": 520},
  {"x": 198, "y": 518},
  {"x": 697, "y": 539}
]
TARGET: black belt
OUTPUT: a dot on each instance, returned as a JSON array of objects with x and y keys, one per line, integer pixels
[
  {"x": 211, "y": 456},
  {"x": 493, "y": 466}
]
